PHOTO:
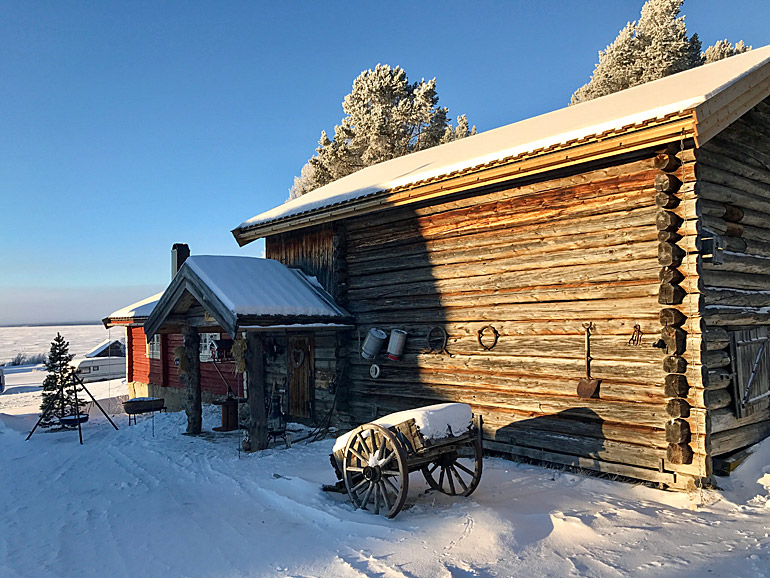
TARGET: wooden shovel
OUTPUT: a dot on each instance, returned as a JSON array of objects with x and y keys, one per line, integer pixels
[{"x": 588, "y": 388}]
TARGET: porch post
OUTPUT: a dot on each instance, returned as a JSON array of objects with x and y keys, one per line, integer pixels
[
  {"x": 192, "y": 379},
  {"x": 256, "y": 393}
]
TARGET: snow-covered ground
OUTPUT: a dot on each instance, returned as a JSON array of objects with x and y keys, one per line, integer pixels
[
  {"x": 149, "y": 501},
  {"x": 37, "y": 339}
]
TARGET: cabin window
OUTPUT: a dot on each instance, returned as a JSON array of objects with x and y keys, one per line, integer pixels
[
  {"x": 206, "y": 343},
  {"x": 153, "y": 347},
  {"x": 750, "y": 356},
  {"x": 84, "y": 370}
]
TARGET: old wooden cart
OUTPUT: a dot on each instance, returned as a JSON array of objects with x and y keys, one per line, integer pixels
[{"x": 442, "y": 441}]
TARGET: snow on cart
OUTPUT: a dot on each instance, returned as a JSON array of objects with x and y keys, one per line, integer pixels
[{"x": 374, "y": 460}]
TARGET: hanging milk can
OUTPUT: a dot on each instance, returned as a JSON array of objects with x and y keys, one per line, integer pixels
[
  {"x": 396, "y": 344},
  {"x": 373, "y": 342}
]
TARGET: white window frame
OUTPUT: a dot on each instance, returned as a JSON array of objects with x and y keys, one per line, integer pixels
[
  {"x": 205, "y": 345},
  {"x": 153, "y": 347}
]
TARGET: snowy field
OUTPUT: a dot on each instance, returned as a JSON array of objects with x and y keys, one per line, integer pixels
[
  {"x": 37, "y": 339},
  {"x": 149, "y": 501}
]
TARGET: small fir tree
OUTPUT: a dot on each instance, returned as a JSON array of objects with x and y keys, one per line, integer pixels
[{"x": 58, "y": 386}]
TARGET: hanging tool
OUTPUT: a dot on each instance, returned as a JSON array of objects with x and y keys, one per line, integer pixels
[{"x": 588, "y": 387}]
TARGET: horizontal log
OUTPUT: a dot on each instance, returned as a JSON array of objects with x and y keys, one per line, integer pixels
[
  {"x": 718, "y": 378},
  {"x": 714, "y": 277},
  {"x": 611, "y": 179},
  {"x": 493, "y": 390},
  {"x": 371, "y": 247},
  {"x": 740, "y": 263},
  {"x": 716, "y": 398},
  {"x": 716, "y": 338},
  {"x": 669, "y": 237},
  {"x": 735, "y": 297},
  {"x": 720, "y": 176},
  {"x": 717, "y": 359},
  {"x": 537, "y": 266},
  {"x": 545, "y": 365},
  {"x": 726, "y": 316},
  {"x": 733, "y": 160},
  {"x": 584, "y": 463},
  {"x": 735, "y": 439},
  {"x": 509, "y": 246},
  {"x": 578, "y": 423},
  {"x": 728, "y": 194},
  {"x": 514, "y": 211},
  {"x": 724, "y": 419}
]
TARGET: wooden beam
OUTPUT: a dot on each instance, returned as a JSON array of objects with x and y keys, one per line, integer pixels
[
  {"x": 255, "y": 373},
  {"x": 192, "y": 380}
]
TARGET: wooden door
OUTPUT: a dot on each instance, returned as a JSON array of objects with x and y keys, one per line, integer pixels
[{"x": 300, "y": 371}]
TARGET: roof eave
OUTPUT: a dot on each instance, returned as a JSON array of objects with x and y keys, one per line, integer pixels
[{"x": 593, "y": 147}]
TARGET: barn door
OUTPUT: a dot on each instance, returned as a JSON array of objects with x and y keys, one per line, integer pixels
[
  {"x": 750, "y": 349},
  {"x": 300, "y": 361}
]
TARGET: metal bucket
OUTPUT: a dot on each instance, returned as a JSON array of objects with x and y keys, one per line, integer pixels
[
  {"x": 396, "y": 344},
  {"x": 373, "y": 342}
]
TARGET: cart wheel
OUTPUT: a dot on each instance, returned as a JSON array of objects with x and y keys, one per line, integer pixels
[
  {"x": 456, "y": 473},
  {"x": 374, "y": 469}
]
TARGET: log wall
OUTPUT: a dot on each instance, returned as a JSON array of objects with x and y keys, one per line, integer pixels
[
  {"x": 733, "y": 192},
  {"x": 609, "y": 246}
]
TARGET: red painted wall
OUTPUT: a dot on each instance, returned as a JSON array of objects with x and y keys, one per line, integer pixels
[{"x": 164, "y": 372}]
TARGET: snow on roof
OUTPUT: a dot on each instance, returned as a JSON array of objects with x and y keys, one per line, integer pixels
[
  {"x": 254, "y": 286},
  {"x": 434, "y": 421},
  {"x": 104, "y": 345},
  {"x": 141, "y": 308},
  {"x": 655, "y": 100}
]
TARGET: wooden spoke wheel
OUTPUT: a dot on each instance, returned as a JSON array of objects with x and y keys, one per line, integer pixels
[
  {"x": 456, "y": 473},
  {"x": 374, "y": 469}
]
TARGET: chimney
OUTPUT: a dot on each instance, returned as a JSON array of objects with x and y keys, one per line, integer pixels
[{"x": 179, "y": 254}]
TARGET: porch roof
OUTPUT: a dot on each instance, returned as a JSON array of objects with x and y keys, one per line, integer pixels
[{"x": 242, "y": 291}]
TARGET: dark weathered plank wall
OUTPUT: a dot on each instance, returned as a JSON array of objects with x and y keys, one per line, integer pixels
[
  {"x": 733, "y": 175},
  {"x": 312, "y": 252}
]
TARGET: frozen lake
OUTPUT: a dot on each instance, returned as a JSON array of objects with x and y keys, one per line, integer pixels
[{"x": 37, "y": 339}]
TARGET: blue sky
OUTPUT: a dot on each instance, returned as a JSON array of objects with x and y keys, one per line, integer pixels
[{"x": 127, "y": 127}]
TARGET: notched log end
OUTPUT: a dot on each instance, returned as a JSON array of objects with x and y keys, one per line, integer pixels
[
  {"x": 677, "y": 432},
  {"x": 678, "y": 408},
  {"x": 674, "y": 364},
  {"x": 670, "y": 294},
  {"x": 679, "y": 454},
  {"x": 676, "y": 385}
]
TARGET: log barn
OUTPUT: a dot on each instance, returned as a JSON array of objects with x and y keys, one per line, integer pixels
[{"x": 592, "y": 281}]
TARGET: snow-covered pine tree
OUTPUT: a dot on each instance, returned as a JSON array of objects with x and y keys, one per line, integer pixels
[
  {"x": 57, "y": 386},
  {"x": 387, "y": 117},
  {"x": 723, "y": 49},
  {"x": 652, "y": 48}
]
